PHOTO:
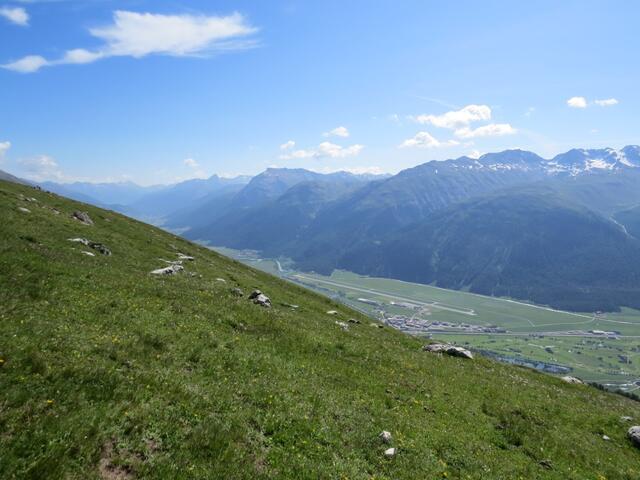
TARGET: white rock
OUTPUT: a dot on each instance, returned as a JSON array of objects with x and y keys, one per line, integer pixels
[
  {"x": 188, "y": 258},
  {"x": 343, "y": 326},
  {"x": 24, "y": 210},
  {"x": 570, "y": 379},
  {"x": 626, "y": 419},
  {"x": 90, "y": 254},
  {"x": 606, "y": 438},
  {"x": 83, "y": 241},
  {"x": 221, "y": 280},
  {"x": 390, "y": 452},
  {"x": 332, "y": 312},
  {"x": 171, "y": 270},
  {"x": 385, "y": 436}
]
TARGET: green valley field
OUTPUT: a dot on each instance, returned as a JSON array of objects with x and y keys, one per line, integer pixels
[{"x": 519, "y": 332}]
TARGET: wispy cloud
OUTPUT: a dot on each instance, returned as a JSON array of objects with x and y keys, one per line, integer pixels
[
  {"x": 457, "y": 118},
  {"x": 491, "y": 130},
  {"x": 4, "y": 148},
  {"x": 337, "y": 132},
  {"x": 426, "y": 140},
  {"x": 41, "y": 168},
  {"x": 324, "y": 150},
  {"x": 288, "y": 145},
  {"x": 194, "y": 166},
  {"x": 138, "y": 35},
  {"x": 607, "y": 102},
  {"x": 16, "y": 15},
  {"x": 582, "y": 102}
]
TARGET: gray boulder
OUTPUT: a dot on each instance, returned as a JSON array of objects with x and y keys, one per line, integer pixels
[
  {"x": 634, "y": 435},
  {"x": 385, "y": 436},
  {"x": 448, "y": 349},
  {"x": 82, "y": 217},
  {"x": 260, "y": 298}
]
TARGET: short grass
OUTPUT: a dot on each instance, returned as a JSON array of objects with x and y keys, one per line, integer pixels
[{"x": 110, "y": 372}]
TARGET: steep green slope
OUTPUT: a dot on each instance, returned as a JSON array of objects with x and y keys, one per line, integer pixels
[{"x": 110, "y": 372}]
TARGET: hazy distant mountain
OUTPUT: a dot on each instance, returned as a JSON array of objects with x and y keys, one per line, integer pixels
[
  {"x": 164, "y": 202},
  {"x": 457, "y": 223},
  {"x": 102, "y": 194},
  {"x": 231, "y": 214},
  {"x": 532, "y": 244},
  {"x": 12, "y": 178}
]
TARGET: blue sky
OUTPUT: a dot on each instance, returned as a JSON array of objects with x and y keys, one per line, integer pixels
[{"x": 160, "y": 91}]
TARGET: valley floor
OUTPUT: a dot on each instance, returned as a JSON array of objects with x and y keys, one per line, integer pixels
[{"x": 597, "y": 347}]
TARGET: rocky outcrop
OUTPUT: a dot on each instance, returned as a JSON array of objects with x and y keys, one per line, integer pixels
[
  {"x": 570, "y": 379},
  {"x": 260, "y": 298},
  {"x": 448, "y": 349},
  {"x": 82, "y": 217},
  {"x": 170, "y": 270}
]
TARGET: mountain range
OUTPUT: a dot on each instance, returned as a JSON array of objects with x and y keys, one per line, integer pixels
[{"x": 564, "y": 231}]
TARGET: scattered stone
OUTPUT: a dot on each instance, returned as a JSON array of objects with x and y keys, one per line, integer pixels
[
  {"x": 221, "y": 280},
  {"x": 289, "y": 305},
  {"x": 634, "y": 435},
  {"x": 570, "y": 379},
  {"x": 90, "y": 254},
  {"x": 449, "y": 350},
  {"x": 626, "y": 419},
  {"x": 24, "y": 210},
  {"x": 343, "y": 326},
  {"x": 55, "y": 211},
  {"x": 82, "y": 217},
  {"x": 353, "y": 320},
  {"x": 390, "y": 452},
  {"x": 83, "y": 241},
  {"x": 606, "y": 438},
  {"x": 170, "y": 270},
  {"x": 385, "y": 436},
  {"x": 31, "y": 199},
  {"x": 260, "y": 298},
  {"x": 332, "y": 312},
  {"x": 237, "y": 292},
  {"x": 188, "y": 258},
  {"x": 103, "y": 249}
]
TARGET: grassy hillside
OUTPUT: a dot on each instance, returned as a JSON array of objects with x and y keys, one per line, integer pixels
[{"x": 110, "y": 372}]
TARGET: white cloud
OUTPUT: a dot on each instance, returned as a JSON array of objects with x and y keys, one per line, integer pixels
[
  {"x": 581, "y": 102},
  {"x": 140, "y": 34},
  {"x": 491, "y": 130},
  {"x": 475, "y": 154},
  {"x": 4, "y": 148},
  {"x": 577, "y": 102},
  {"x": 288, "y": 145},
  {"x": 17, "y": 15},
  {"x": 41, "y": 167},
  {"x": 190, "y": 162},
  {"x": 426, "y": 140},
  {"x": 28, "y": 64},
  {"x": 607, "y": 102},
  {"x": 337, "y": 132},
  {"x": 325, "y": 150},
  {"x": 457, "y": 118}
]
